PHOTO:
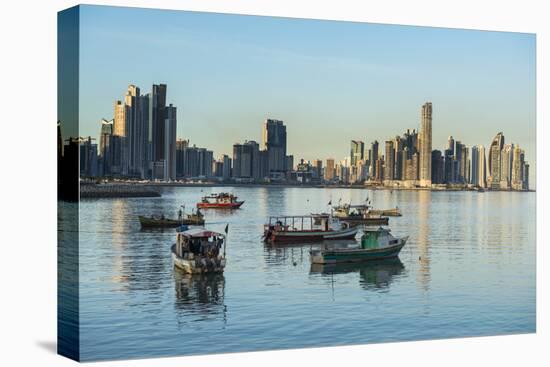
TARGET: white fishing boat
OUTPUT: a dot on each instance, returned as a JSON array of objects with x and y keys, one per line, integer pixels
[
  {"x": 199, "y": 250},
  {"x": 307, "y": 228}
]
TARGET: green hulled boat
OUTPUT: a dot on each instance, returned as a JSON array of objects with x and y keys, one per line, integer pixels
[{"x": 376, "y": 244}]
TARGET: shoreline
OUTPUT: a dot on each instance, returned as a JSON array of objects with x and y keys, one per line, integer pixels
[{"x": 132, "y": 185}]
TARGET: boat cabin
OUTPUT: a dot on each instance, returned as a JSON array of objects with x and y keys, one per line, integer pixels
[
  {"x": 301, "y": 223},
  {"x": 199, "y": 242}
]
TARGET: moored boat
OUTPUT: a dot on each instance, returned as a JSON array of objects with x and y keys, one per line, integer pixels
[
  {"x": 197, "y": 251},
  {"x": 359, "y": 215},
  {"x": 393, "y": 212},
  {"x": 307, "y": 228},
  {"x": 222, "y": 200},
  {"x": 195, "y": 218},
  {"x": 376, "y": 244}
]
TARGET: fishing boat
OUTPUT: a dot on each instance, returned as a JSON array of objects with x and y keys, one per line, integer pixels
[
  {"x": 376, "y": 244},
  {"x": 195, "y": 218},
  {"x": 307, "y": 228},
  {"x": 222, "y": 200},
  {"x": 394, "y": 212},
  {"x": 359, "y": 215},
  {"x": 197, "y": 251}
]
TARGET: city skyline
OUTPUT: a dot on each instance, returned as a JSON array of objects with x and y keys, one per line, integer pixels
[{"x": 372, "y": 81}]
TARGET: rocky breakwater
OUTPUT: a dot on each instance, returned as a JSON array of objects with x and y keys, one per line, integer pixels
[{"x": 116, "y": 191}]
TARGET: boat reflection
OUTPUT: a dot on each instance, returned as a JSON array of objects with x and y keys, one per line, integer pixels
[
  {"x": 199, "y": 295},
  {"x": 373, "y": 275},
  {"x": 296, "y": 253}
]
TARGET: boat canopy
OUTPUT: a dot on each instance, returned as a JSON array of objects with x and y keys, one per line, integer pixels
[{"x": 200, "y": 233}]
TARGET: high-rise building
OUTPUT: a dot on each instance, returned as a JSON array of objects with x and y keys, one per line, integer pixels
[
  {"x": 169, "y": 143},
  {"x": 425, "y": 140},
  {"x": 329, "y": 170},
  {"x": 438, "y": 167},
  {"x": 181, "y": 144},
  {"x": 506, "y": 160},
  {"x": 274, "y": 141},
  {"x": 105, "y": 147},
  {"x": 494, "y": 162},
  {"x": 246, "y": 160},
  {"x": 317, "y": 167},
  {"x": 88, "y": 157},
  {"x": 357, "y": 151},
  {"x": 478, "y": 167},
  {"x": 398, "y": 144},
  {"x": 136, "y": 131},
  {"x": 451, "y": 145},
  {"x": 389, "y": 166},
  {"x": 373, "y": 158},
  {"x": 518, "y": 168}
]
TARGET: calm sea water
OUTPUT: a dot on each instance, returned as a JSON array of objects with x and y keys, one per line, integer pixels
[{"x": 467, "y": 270}]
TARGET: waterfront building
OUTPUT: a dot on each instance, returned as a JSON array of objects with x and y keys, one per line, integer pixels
[
  {"x": 373, "y": 158},
  {"x": 246, "y": 160},
  {"x": 449, "y": 165},
  {"x": 398, "y": 144},
  {"x": 506, "y": 160},
  {"x": 318, "y": 168},
  {"x": 494, "y": 161},
  {"x": 329, "y": 170},
  {"x": 411, "y": 142},
  {"x": 226, "y": 173},
  {"x": 389, "y": 166},
  {"x": 357, "y": 151},
  {"x": 379, "y": 169},
  {"x": 526, "y": 176},
  {"x": 119, "y": 130},
  {"x": 438, "y": 167},
  {"x": 274, "y": 141},
  {"x": 518, "y": 169},
  {"x": 289, "y": 162},
  {"x": 105, "y": 159},
  {"x": 411, "y": 168},
  {"x": 425, "y": 144},
  {"x": 88, "y": 157},
  {"x": 169, "y": 143},
  {"x": 181, "y": 144},
  {"x": 478, "y": 166},
  {"x": 451, "y": 145}
]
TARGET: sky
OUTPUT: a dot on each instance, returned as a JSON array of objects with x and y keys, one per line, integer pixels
[{"x": 329, "y": 81}]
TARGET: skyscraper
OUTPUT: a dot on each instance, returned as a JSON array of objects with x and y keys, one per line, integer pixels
[
  {"x": 506, "y": 160},
  {"x": 478, "y": 166},
  {"x": 495, "y": 150},
  {"x": 169, "y": 143},
  {"x": 518, "y": 169},
  {"x": 329, "y": 169},
  {"x": 425, "y": 140},
  {"x": 389, "y": 167},
  {"x": 438, "y": 167},
  {"x": 357, "y": 151},
  {"x": 105, "y": 147},
  {"x": 373, "y": 158},
  {"x": 274, "y": 141}
]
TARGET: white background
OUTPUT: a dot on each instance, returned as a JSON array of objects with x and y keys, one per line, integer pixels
[{"x": 28, "y": 179}]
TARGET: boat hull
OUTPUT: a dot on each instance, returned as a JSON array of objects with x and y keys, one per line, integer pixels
[
  {"x": 337, "y": 256},
  {"x": 310, "y": 236},
  {"x": 167, "y": 223},
  {"x": 199, "y": 264},
  {"x": 234, "y": 205},
  {"x": 354, "y": 221}
]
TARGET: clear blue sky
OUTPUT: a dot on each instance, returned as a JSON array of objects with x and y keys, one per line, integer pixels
[{"x": 329, "y": 81}]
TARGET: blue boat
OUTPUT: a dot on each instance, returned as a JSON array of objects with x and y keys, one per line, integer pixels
[{"x": 376, "y": 244}]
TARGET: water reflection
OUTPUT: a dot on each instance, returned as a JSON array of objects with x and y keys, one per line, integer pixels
[
  {"x": 297, "y": 253},
  {"x": 373, "y": 275},
  {"x": 424, "y": 201},
  {"x": 199, "y": 296}
]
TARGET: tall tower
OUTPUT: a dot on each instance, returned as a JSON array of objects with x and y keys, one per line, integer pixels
[
  {"x": 389, "y": 168},
  {"x": 357, "y": 152},
  {"x": 425, "y": 169},
  {"x": 495, "y": 157},
  {"x": 274, "y": 141}
]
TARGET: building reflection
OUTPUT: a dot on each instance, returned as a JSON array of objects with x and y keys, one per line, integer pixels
[
  {"x": 424, "y": 202},
  {"x": 200, "y": 295},
  {"x": 373, "y": 275},
  {"x": 138, "y": 262}
]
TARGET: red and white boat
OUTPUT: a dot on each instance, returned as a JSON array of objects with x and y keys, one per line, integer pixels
[
  {"x": 222, "y": 200},
  {"x": 307, "y": 228}
]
